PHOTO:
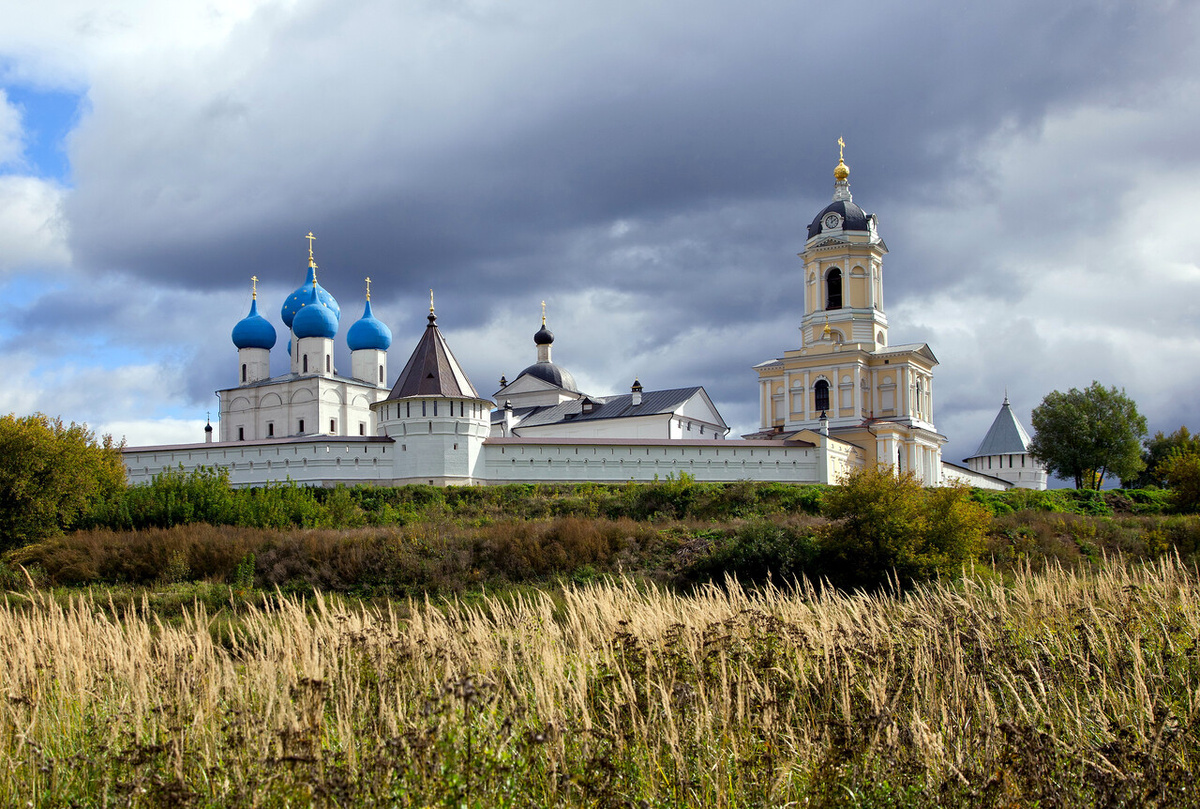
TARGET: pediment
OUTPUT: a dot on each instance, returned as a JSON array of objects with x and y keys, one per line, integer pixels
[{"x": 526, "y": 383}]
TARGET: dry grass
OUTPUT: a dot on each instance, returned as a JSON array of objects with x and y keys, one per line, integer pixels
[{"x": 1061, "y": 688}]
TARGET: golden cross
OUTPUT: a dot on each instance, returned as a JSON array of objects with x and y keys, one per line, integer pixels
[
  {"x": 368, "y": 287},
  {"x": 543, "y": 313},
  {"x": 254, "y": 287},
  {"x": 431, "y": 301},
  {"x": 310, "y": 238},
  {"x": 841, "y": 148}
]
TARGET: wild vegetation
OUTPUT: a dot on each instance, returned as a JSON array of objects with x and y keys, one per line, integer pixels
[
  {"x": 51, "y": 473},
  {"x": 664, "y": 644},
  {"x": 1056, "y": 688}
]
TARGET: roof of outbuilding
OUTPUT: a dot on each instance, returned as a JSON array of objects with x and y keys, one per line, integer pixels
[
  {"x": 432, "y": 370},
  {"x": 654, "y": 403},
  {"x": 1006, "y": 435}
]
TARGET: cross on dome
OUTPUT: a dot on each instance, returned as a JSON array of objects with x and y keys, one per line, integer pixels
[
  {"x": 254, "y": 287},
  {"x": 368, "y": 287},
  {"x": 311, "y": 261}
]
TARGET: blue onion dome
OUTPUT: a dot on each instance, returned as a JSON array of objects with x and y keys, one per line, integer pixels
[
  {"x": 315, "y": 319},
  {"x": 253, "y": 331},
  {"x": 369, "y": 332},
  {"x": 294, "y": 302}
]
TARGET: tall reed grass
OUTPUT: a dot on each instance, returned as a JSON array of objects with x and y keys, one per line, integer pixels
[{"x": 1059, "y": 688}]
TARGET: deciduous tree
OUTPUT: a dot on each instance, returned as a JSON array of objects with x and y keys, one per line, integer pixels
[
  {"x": 1157, "y": 450},
  {"x": 1087, "y": 435},
  {"x": 50, "y": 473}
]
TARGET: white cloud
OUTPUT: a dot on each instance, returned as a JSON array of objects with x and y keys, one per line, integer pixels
[
  {"x": 12, "y": 144},
  {"x": 33, "y": 231}
]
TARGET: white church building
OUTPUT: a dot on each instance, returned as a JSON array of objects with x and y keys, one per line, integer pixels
[{"x": 843, "y": 399}]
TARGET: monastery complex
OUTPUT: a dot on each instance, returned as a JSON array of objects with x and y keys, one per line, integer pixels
[{"x": 843, "y": 399}]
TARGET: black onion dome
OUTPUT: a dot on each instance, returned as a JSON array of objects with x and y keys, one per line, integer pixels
[
  {"x": 853, "y": 217},
  {"x": 549, "y": 372},
  {"x": 544, "y": 336}
]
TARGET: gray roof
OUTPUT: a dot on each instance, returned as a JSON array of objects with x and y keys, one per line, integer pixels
[
  {"x": 654, "y": 403},
  {"x": 1005, "y": 437},
  {"x": 432, "y": 370},
  {"x": 554, "y": 374}
]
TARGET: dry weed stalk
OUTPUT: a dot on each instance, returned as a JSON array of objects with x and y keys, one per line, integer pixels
[{"x": 1061, "y": 686}]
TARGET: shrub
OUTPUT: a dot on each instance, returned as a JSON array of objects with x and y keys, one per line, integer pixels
[
  {"x": 1182, "y": 473},
  {"x": 757, "y": 551},
  {"x": 885, "y": 523}
]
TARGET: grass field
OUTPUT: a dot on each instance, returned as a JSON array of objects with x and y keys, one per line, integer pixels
[{"x": 1053, "y": 688}]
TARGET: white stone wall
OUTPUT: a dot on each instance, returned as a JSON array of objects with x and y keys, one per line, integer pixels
[
  {"x": 319, "y": 462},
  {"x": 1019, "y": 469},
  {"x": 408, "y": 459},
  {"x": 954, "y": 475},
  {"x": 513, "y": 460}
]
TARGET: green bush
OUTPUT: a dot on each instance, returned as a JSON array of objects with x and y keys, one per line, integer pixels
[
  {"x": 1182, "y": 473},
  {"x": 885, "y": 524},
  {"x": 757, "y": 551}
]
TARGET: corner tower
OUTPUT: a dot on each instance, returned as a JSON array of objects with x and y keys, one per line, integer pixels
[{"x": 434, "y": 415}]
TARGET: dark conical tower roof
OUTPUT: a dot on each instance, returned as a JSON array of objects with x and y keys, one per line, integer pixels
[
  {"x": 432, "y": 370},
  {"x": 1005, "y": 437}
]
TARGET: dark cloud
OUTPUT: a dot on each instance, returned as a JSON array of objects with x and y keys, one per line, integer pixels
[{"x": 665, "y": 156}]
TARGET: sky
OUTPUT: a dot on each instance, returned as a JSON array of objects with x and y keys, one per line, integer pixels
[{"x": 646, "y": 168}]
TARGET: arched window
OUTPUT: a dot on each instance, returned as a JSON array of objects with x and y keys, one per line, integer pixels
[
  {"x": 243, "y": 372},
  {"x": 822, "y": 391},
  {"x": 833, "y": 289},
  {"x": 306, "y": 363},
  {"x": 328, "y": 364},
  {"x": 380, "y": 374}
]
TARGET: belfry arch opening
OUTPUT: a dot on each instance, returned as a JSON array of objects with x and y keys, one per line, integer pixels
[{"x": 833, "y": 289}]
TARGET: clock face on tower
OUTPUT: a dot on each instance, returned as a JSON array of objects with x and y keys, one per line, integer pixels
[{"x": 832, "y": 221}]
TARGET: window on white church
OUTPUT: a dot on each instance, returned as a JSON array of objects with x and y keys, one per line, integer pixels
[
  {"x": 821, "y": 390},
  {"x": 301, "y": 430},
  {"x": 243, "y": 372},
  {"x": 333, "y": 425},
  {"x": 362, "y": 428},
  {"x": 270, "y": 429},
  {"x": 241, "y": 433},
  {"x": 306, "y": 363},
  {"x": 328, "y": 364},
  {"x": 833, "y": 289},
  {"x": 380, "y": 374}
]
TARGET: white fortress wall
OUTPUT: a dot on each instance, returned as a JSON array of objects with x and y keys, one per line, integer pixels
[
  {"x": 545, "y": 460},
  {"x": 324, "y": 461}
]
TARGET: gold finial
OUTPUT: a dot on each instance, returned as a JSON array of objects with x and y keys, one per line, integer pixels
[
  {"x": 431, "y": 301},
  {"x": 368, "y": 287},
  {"x": 825, "y": 334},
  {"x": 254, "y": 287},
  {"x": 543, "y": 313},
  {"x": 311, "y": 261},
  {"x": 842, "y": 171}
]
